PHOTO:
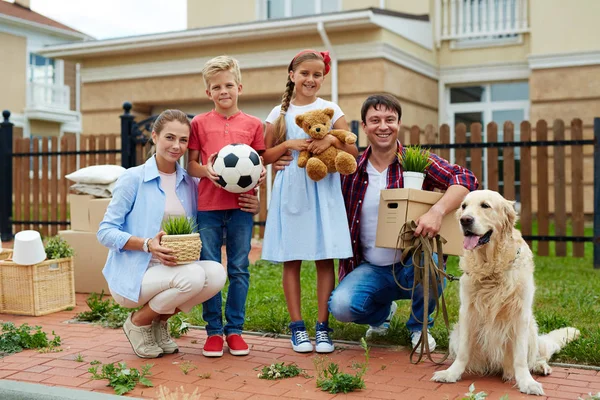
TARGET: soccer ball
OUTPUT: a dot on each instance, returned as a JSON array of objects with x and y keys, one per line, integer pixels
[{"x": 238, "y": 166}]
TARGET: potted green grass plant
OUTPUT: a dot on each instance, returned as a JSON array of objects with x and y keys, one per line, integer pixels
[
  {"x": 182, "y": 238},
  {"x": 414, "y": 161}
]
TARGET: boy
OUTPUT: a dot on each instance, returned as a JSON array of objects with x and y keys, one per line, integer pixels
[{"x": 219, "y": 211}]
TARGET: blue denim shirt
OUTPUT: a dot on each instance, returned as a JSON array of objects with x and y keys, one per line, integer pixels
[{"x": 137, "y": 209}]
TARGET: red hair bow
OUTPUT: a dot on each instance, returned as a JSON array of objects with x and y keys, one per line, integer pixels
[
  {"x": 326, "y": 60},
  {"x": 323, "y": 54}
]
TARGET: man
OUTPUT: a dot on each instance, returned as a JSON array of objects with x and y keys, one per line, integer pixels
[{"x": 367, "y": 290}]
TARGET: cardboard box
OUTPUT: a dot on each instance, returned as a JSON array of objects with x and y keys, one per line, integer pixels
[
  {"x": 96, "y": 211},
  {"x": 400, "y": 205},
  {"x": 87, "y": 212},
  {"x": 89, "y": 259},
  {"x": 79, "y": 212}
]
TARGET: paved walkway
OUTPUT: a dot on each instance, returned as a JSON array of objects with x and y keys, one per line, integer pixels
[{"x": 390, "y": 375}]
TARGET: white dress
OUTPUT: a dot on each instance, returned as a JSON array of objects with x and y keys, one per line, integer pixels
[{"x": 306, "y": 219}]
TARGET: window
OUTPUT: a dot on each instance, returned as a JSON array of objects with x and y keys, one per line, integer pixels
[
  {"x": 41, "y": 70},
  {"x": 297, "y": 8},
  {"x": 498, "y": 102}
]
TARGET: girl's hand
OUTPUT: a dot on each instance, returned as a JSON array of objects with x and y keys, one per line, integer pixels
[
  {"x": 210, "y": 172},
  {"x": 163, "y": 254},
  {"x": 320, "y": 145},
  {"x": 283, "y": 161},
  {"x": 249, "y": 202},
  {"x": 296, "y": 144}
]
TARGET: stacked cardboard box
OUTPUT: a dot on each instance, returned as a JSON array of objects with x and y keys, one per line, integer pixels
[
  {"x": 90, "y": 256},
  {"x": 400, "y": 205}
]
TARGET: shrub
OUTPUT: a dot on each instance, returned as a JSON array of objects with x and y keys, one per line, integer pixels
[{"x": 57, "y": 247}]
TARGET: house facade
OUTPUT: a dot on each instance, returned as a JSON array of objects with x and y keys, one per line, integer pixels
[
  {"x": 448, "y": 61},
  {"x": 40, "y": 92}
]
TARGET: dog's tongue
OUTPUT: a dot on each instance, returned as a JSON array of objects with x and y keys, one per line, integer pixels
[{"x": 470, "y": 242}]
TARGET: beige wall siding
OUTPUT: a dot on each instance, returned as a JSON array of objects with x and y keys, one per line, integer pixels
[
  {"x": 13, "y": 66},
  {"x": 101, "y": 101},
  {"x": 429, "y": 56},
  {"x": 484, "y": 55},
  {"x": 348, "y": 5},
  {"x": 70, "y": 81},
  {"x": 44, "y": 128},
  {"x": 410, "y": 6},
  {"x": 565, "y": 93},
  {"x": 204, "y": 13},
  {"x": 558, "y": 26}
]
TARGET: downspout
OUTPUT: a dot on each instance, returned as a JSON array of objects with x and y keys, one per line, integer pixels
[
  {"x": 334, "y": 63},
  {"x": 382, "y": 4}
]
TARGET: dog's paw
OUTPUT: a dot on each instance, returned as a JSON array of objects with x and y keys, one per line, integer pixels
[
  {"x": 445, "y": 376},
  {"x": 508, "y": 376},
  {"x": 542, "y": 368},
  {"x": 530, "y": 386}
]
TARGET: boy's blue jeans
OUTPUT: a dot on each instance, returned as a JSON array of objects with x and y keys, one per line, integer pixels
[
  {"x": 365, "y": 295},
  {"x": 237, "y": 226}
]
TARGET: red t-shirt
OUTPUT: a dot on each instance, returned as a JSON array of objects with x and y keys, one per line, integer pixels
[{"x": 212, "y": 131}]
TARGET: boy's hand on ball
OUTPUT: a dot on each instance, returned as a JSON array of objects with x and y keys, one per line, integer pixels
[
  {"x": 211, "y": 174},
  {"x": 249, "y": 202},
  {"x": 163, "y": 254}
]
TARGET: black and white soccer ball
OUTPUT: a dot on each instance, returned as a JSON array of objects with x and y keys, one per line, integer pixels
[{"x": 238, "y": 166}]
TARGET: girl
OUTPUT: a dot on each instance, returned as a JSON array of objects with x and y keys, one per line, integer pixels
[
  {"x": 306, "y": 219},
  {"x": 139, "y": 271}
]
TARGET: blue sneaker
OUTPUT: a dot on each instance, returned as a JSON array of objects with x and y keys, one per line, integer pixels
[
  {"x": 300, "y": 341},
  {"x": 323, "y": 340}
]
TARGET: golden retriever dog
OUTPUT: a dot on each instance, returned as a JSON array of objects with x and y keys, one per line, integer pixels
[{"x": 496, "y": 330}]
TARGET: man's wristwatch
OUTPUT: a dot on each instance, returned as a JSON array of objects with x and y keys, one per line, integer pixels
[{"x": 145, "y": 246}]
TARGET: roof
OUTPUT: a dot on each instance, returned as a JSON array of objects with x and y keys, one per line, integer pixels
[
  {"x": 415, "y": 28},
  {"x": 23, "y": 13}
]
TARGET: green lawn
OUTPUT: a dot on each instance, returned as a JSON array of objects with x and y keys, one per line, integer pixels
[{"x": 568, "y": 294}]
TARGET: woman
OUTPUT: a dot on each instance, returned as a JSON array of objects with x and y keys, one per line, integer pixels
[{"x": 139, "y": 271}]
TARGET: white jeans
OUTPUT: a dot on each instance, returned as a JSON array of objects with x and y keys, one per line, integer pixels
[{"x": 182, "y": 287}]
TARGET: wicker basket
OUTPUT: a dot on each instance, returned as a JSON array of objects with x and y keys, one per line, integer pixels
[
  {"x": 5, "y": 254},
  {"x": 38, "y": 289},
  {"x": 187, "y": 247}
]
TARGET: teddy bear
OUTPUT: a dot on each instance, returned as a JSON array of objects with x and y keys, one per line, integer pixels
[{"x": 316, "y": 124}]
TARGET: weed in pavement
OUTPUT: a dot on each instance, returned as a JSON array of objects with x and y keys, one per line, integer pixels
[
  {"x": 15, "y": 339},
  {"x": 121, "y": 378}
]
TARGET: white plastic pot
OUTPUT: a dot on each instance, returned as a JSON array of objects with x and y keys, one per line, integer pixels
[
  {"x": 28, "y": 248},
  {"x": 413, "y": 180}
]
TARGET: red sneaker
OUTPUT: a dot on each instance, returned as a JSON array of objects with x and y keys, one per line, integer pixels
[
  {"x": 237, "y": 345},
  {"x": 213, "y": 347}
]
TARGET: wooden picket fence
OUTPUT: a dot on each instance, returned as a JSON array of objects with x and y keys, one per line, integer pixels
[{"x": 41, "y": 191}]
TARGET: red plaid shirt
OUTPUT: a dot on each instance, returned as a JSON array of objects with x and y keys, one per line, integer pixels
[{"x": 439, "y": 175}]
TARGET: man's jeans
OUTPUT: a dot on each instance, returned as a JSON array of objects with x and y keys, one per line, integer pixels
[
  {"x": 365, "y": 295},
  {"x": 237, "y": 226}
]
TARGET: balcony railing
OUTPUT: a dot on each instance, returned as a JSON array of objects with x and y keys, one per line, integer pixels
[
  {"x": 481, "y": 19},
  {"x": 48, "y": 96}
]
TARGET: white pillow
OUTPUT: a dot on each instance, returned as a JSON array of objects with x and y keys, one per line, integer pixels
[{"x": 97, "y": 174}]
